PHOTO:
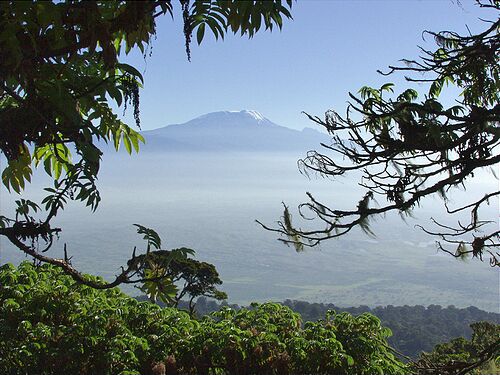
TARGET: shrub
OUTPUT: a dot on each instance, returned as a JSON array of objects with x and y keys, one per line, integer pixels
[{"x": 50, "y": 325}]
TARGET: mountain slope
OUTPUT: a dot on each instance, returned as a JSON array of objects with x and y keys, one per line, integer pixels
[{"x": 231, "y": 131}]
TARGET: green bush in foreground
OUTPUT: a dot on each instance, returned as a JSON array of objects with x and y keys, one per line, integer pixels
[{"x": 50, "y": 325}]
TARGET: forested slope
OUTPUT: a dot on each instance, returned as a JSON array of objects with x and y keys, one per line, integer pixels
[{"x": 415, "y": 328}]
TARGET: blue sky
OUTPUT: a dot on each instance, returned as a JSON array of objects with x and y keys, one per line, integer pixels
[{"x": 327, "y": 50}]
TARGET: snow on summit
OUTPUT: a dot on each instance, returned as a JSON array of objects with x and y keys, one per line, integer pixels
[
  {"x": 255, "y": 114},
  {"x": 231, "y": 131},
  {"x": 234, "y": 116}
]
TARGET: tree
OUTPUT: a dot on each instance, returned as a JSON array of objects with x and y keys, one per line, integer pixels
[
  {"x": 479, "y": 355},
  {"x": 196, "y": 279},
  {"x": 61, "y": 66},
  {"x": 408, "y": 147}
]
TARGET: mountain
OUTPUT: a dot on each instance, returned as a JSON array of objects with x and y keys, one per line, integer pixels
[{"x": 231, "y": 131}]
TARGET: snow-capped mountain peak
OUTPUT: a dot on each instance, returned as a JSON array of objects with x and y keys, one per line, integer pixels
[
  {"x": 255, "y": 114},
  {"x": 231, "y": 131},
  {"x": 234, "y": 116}
]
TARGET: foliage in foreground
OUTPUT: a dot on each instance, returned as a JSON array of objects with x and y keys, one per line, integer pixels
[
  {"x": 49, "y": 324},
  {"x": 415, "y": 329}
]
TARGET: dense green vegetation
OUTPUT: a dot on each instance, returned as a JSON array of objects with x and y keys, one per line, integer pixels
[
  {"x": 414, "y": 328},
  {"x": 459, "y": 353},
  {"x": 51, "y": 325},
  {"x": 195, "y": 278}
]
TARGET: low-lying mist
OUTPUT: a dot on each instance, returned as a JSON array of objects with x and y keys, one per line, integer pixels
[{"x": 209, "y": 202}]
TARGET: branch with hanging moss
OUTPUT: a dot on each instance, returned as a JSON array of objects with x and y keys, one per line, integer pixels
[
  {"x": 126, "y": 276},
  {"x": 407, "y": 150},
  {"x": 335, "y": 227}
]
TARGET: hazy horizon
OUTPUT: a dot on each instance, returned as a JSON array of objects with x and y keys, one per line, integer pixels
[{"x": 209, "y": 201}]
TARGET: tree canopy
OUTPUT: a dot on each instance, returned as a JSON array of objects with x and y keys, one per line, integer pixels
[
  {"x": 46, "y": 319},
  {"x": 61, "y": 68},
  {"x": 409, "y": 146},
  {"x": 50, "y": 325},
  {"x": 184, "y": 277}
]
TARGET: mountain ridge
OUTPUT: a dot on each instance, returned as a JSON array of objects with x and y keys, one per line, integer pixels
[{"x": 245, "y": 130}]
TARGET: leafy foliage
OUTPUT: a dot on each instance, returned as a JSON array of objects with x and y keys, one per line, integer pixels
[
  {"x": 415, "y": 329},
  {"x": 47, "y": 319},
  {"x": 166, "y": 270},
  {"x": 408, "y": 147},
  {"x": 466, "y": 356}
]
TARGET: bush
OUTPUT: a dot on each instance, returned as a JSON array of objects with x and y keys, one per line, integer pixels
[{"x": 50, "y": 325}]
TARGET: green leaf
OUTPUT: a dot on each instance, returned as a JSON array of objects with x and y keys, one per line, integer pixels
[
  {"x": 350, "y": 361},
  {"x": 16, "y": 172},
  {"x": 152, "y": 238},
  {"x": 200, "y": 33},
  {"x": 126, "y": 68},
  {"x": 127, "y": 144},
  {"x": 387, "y": 87},
  {"x": 134, "y": 139}
]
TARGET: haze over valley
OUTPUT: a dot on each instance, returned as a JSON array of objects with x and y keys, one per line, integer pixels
[{"x": 202, "y": 184}]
